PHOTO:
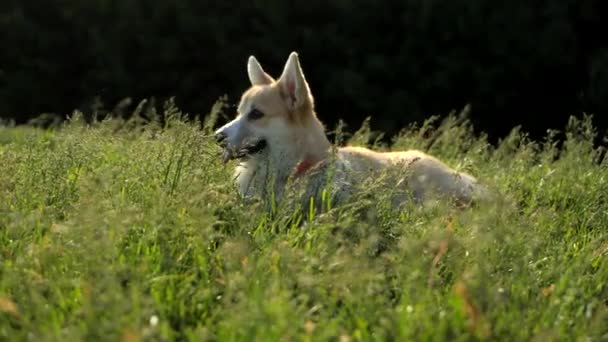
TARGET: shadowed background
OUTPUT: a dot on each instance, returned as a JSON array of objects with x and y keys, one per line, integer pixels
[{"x": 516, "y": 63}]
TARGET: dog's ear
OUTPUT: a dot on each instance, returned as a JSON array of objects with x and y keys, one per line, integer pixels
[
  {"x": 293, "y": 83},
  {"x": 257, "y": 76}
]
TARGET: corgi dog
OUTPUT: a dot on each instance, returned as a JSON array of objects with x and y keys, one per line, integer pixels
[{"x": 276, "y": 136}]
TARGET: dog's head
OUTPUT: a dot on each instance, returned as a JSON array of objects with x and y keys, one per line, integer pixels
[{"x": 271, "y": 112}]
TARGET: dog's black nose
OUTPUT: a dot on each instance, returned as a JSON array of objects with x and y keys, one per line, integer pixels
[{"x": 220, "y": 137}]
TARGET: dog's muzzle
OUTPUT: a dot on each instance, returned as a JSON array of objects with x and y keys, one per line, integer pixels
[
  {"x": 220, "y": 137},
  {"x": 243, "y": 152},
  {"x": 227, "y": 153}
]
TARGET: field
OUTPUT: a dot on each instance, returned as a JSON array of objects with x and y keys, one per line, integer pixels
[{"x": 134, "y": 231}]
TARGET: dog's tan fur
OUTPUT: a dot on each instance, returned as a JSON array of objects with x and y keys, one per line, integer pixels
[{"x": 294, "y": 134}]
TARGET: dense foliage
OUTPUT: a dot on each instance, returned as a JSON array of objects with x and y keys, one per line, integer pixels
[{"x": 118, "y": 230}]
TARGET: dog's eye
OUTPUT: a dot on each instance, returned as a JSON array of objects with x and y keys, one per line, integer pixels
[{"x": 255, "y": 114}]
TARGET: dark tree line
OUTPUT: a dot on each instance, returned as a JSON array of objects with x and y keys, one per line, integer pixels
[{"x": 530, "y": 63}]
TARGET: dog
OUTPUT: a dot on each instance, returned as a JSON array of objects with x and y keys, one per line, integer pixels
[{"x": 277, "y": 136}]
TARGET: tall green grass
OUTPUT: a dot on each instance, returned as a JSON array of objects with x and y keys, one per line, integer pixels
[{"x": 126, "y": 231}]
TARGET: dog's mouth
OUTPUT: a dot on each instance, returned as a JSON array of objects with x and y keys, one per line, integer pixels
[{"x": 245, "y": 151}]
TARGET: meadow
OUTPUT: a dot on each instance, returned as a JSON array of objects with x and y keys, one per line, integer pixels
[{"x": 133, "y": 230}]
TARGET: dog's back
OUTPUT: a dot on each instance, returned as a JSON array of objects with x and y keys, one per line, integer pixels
[{"x": 424, "y": 174}]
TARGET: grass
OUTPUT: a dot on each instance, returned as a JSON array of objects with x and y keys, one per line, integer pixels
[{"x": 122, "y": 231}]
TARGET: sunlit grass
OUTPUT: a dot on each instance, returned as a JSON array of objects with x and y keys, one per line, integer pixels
[{"x": 113, "y": 231}]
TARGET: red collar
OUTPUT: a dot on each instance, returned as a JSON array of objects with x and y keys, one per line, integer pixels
[{"x": 306, "y": 164}]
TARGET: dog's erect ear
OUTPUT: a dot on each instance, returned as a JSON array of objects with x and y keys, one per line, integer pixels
[
  {"x": 257, "y": 76},
  {"x": 293, "y": 83}
]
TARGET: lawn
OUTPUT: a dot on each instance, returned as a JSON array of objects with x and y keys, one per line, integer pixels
[{"x": 133, "y": 231}]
